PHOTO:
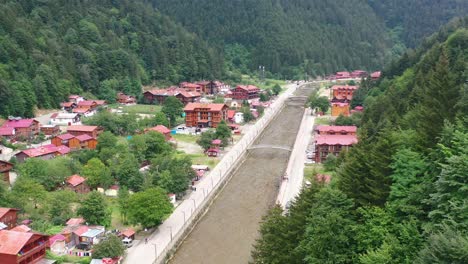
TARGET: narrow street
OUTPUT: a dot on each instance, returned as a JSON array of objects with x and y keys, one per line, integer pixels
[{"x": 228, "y": 230}]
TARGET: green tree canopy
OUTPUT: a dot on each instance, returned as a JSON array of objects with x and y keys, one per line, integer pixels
[
  {"x": 110, "y": 247},
  {"x": 97, "y": 174},
  {"x": 94, "y": 209},
  {"x": 149, "y": 207},
  {"x": 172, "y": 108}
]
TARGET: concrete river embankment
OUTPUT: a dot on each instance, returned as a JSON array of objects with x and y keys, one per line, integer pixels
[{"x": 227, "y": 231}]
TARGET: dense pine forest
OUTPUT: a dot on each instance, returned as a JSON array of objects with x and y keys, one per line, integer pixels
[
  {"x": 400, "y": 195},
  {"x": 49, "y": 49}
]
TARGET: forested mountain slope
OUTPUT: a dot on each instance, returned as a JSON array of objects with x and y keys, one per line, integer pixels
[
  {"x": 414, "y": 20},
  {"x": 320, "y": 36},
  {"x": 399, "y": 195},
  {"x": 49, "y": 49}
]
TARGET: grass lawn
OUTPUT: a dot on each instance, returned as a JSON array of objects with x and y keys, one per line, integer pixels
[
  {"x": 324, "y": 120},
  {"x": 269, "y": 83},
  {"x": 117, "y": 221},
  {"x": 138, "y": 108},
  {"x": 202, "y": 159},
  {"x": 186, "y": 138},
  {"x": 310, "y": 170}
]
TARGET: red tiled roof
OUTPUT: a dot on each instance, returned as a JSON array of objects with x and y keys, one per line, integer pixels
[
  {"x": 87, "y": 103},
  {"x": 22, "y": 123},
  {"x": 40, "y": 151},
  {"x": 75, "y": 221},
  {"x": 323, "y": 128},
  {"x": 128, "y": 232},
  {"x": 211, "y": 107},
  {"x": 231, "y": 113},
  {"x": 81, "y": 230},
  {"x": 67, "y": 104},
  {"x": 55, "y": 238},
  {"x": 161, "y": 92},
  {"x": 54, "y": 115},
  {"x": 84, "y": 137},
  {"x": 160, "y": 128},
  {"x": 65, "y": 136},
  {"x": 189, "y": 85},
  {"x": 4, "y": 211},
  {"x": 345, "y": 87},
  {"x": 11, "y": 242},
  {"x": 376, "y": 74},
  {"x": 216, "y": 142},
  {"x": 100, "y": 102},
  {"x": 250, "y": 88},
  {"x": 75, "y": 180},
  {"x": 21, "y": 228},
  {"x": 82, "y": 128},
  {"x": 7, "y": 131},
  {"x": 81, "y": 110},
  {"x": 343, "y": 140},
  {"x": 63, "y": 150}
]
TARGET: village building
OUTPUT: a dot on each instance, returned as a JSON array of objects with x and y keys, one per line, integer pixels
[
  {"x": 82, "y": 234},
  {"x": 338, "y": 108},
  {"x": 191, "y": 87},
  {"x": 161, "y": 129},
  {"x": 21, "y": 128},
  {"x": 204, "y": 115},
  {"x": 245, "y": 92},
  {"x": 62, "y": 140},
  {"x": 159, "y": 95},
  {"x": 92, "y": 131},
  {"x": 68, "y": 106},
  {"x": 343, "y": 93},
  {"x": 21, "y": 247},
  {"x": 65, "y": 119},
  {"x": 50, "y": 130},
  {"x": 8, "y": 217},
  {"x": 125, "y": 99},
  {"x": 213, "y": 87},
  {"x": 43, "y": 152},
  {"x": 77, "y": 184},
  {"x": 75, "y": 221},
  {"x": 332, "y": 144},
  {"x": 230, "y": 116},
  {"x": 8, "y": 133},
  {"x": 376, "y": 75},
  {"x": 358, "y": 74},
  {"x": 57, "y": 244},
  {"x": 5, "y": 168},
  {"x": 21, "y": 228},
  {"x": 128, "y": 233},
  {"x": 75, "y": 98},
  {"x": 84, "y": 142},
  {"x": 342, "y": 75},
  {"x": 336, "y": 130}
]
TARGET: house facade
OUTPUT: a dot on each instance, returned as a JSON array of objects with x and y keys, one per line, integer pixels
[
  {"x": 161, "y": 129},
  {"x": 9, "y": 217},
  {"x": 245, "y": 92},
  {"x": 332, "y": 144},
  {"x": 65, "y": 119},
  {"x": 5, "y": 168},
  {"x": 50, "y": 130},
  {"x": 92, "y": 131},
  {"x": 204, "y": 115},
  {"x": 335, "y": 130},
  {"x": 77, "y": 184},
  {"x": 342, "y": 93},
  {"x": 21, "y": 247},
  {"x": 159, "y": 96},
  {"x": 23, "y": 128},
  {"x": 338, "y": 108},
  {"x": 125, "y": 99}
]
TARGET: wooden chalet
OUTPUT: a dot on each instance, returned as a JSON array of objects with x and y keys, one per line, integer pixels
[
  {"x": 62, "y": 140},
  {"x": 92, "y": 131},
  {"x": 84, "y": 141},
  {"x": 20, "y": 128},
  {"x": 50, "y": 130},
  {"x": 335, "y": 130},
  {"x": 77, "y": 184},
  {"x": 5, "y": 168},
  {"x": 376, "y": 75},
  {"x": 342, "y": 75},
  {"x": 8, "y": 217},
  {"x": 68, "y": 106},
  {"x": 204, "y": 115},
  {"x": 45, "y": 152},
  {"x": 339, "y": 109},
  {"x": 245, "y": 92},
  {"x": 125, "y": 99},
  {"x": 332, "y": 144},
  {"x": 191, "y": 87},
  {"x": 212, "y": 87},
  {"x": 343, "y": 93},
  {"x": 161, "y": 129},
  {"x": 159, "y": 95},
  {"x": 22, "y": 247}
]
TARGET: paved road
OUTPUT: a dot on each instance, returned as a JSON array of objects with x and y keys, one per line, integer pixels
[{"x": 228, "y": 230}]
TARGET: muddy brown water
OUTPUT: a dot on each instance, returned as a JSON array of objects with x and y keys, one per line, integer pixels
[{"x": 228, "y": 230}]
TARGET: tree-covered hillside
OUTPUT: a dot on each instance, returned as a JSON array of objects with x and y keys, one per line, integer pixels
[
  {"x": 49, "y": 49},
  {"x": 288, "y": 37},
  {"x": 399, "y": 195},
  {"x": 412, "y": 21}
]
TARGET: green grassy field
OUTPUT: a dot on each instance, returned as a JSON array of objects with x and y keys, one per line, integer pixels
[
  {"x": 322, "y": 121},
  {"x": 202, "y": 159},
  {"x": 268, "y": 84},
  {"x": 186, "y": 138}
]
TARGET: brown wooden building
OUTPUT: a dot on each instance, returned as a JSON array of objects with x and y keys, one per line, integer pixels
[
  {"x": 339, "y": 109},
  {"x": 92, "y": 131},
  {"x": 77, "y": 184},
  {"x": 161, "y": 129},
  {"x": 126, "y": 99},
  {"x": 245, "y": 92},
  {"x": 50, "y": 130},
  {"x": 332, "y": 144},
  {"x": 9, "y": 217},
  {"x": 342, "y": 93},
  {"x": 22, "y": 248},
  {"x": 5, "y": 168},
  {"x": 23, "y": 128},
  {"x": 204, "y": 115},
  {"x": 336, "y": 130},
  {"x": 159, "y": 95}
]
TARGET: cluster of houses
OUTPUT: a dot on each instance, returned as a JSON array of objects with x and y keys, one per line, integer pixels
[
  {"x": 19, "y": 244},
  {"x": 332, "y": 140},
  {"x": 356, "y": 74}
]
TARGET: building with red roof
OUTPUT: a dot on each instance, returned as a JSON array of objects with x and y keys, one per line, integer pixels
[
  {"x": 126, "y": 99},
  {"x": 9, "y": 217},
  {"x": 44, "y": 152},
  {"x": 343, "y": 93},
  {"x": 336, "y": 130},
  {"x": 77, "y": 184},
  {"x": 161, "y": 129},
  {"x": 332, "y": 144},
  {"x": 358, "y": 74},
  {"x": 5, "y": 168},
  {"x": 21, "y": 228},
  {"x": 57, "y": 244},
  {"x": 204, "y": 115},
  {"x": 376, "y": 75},
  {"x": 21, "y": 247},
  {"x": 339, "y": 108},
  {"x": 343, "y": 75},
  {"x": 23, "y": 128},
  {"x": 160, "y": 95},
  {"x": 245, "y": 92},
  {"x": 230, "y": 115},
  {"x": 75, "y": 221},
  {"x": 128, "y": 233},
  {"x": 92, "y": 131},
  {"x": 191, "y": 87}
]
